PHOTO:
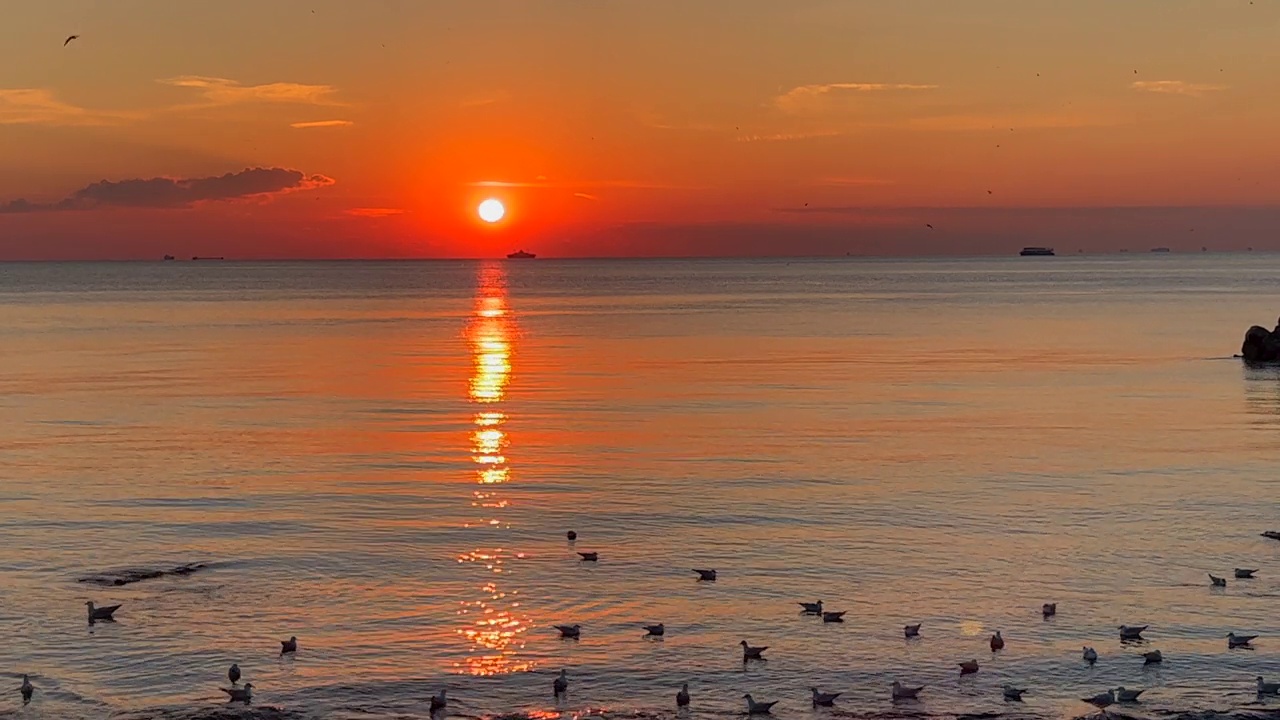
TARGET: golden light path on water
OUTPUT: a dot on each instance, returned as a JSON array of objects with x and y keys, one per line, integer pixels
[{"x": 492, "y": 623}]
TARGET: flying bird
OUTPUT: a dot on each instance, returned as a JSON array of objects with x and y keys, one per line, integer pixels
[{"x": 69, "y": 39}]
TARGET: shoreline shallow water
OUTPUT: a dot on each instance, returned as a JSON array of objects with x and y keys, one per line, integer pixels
[{"x": 383, "y": 458}]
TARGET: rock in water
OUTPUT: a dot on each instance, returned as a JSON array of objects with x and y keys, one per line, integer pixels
[{"x": 1260, "y": 346}]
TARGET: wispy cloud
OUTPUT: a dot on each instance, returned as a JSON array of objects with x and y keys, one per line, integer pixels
[
  {"x": 584, "y": 196},
  {"x": 788, "y": 136},
  {"x": 221, "y": 91},
  {"x": 39, "y": 106},
  {"x": 807, "y": 98},
  {"x": 321, "y": 124},
  {"x": 542, "y": 182},
  {"x": 1175, "y": 87},
  {"x": 373, "y": 212},
  {"x": 173, "y": 193},
  {"x": 1022, "y": 121}
]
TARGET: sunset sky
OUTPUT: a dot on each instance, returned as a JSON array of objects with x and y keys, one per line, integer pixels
[{"x": 373, "y": 128}]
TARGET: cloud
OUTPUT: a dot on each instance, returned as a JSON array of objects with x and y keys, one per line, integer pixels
[
  {"x": 809, "y": 97},
  {"x": 321, "y": 124},
  {"x": 584, "y": 196},
  {"x": 173, "y": 193},
  {"x": 1175, "y": 87},
  {"x": 370, "y": 212},
  {"x": 39, "y": 106},
  {"x": 788, "y": 136},
  {"x": 542, "y": 182},
  {"x": 221, "y": 91}
]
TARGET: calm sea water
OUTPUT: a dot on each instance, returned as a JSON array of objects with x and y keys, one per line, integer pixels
[{"x": 383, "y": 459}]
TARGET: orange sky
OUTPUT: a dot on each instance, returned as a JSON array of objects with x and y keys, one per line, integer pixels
[{"x": 635, "y": 127}]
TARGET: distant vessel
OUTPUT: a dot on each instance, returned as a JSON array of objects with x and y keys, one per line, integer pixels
[
  {"x": 521, "y": 255},
  {"x": 170, "y": 257},
  {"x": 197, "y": 257},
  {"x": 1036, "y": 251},
  {"x": 1160, "y": 249}
]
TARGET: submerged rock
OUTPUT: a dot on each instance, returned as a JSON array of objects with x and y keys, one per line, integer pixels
[
  {"x": 1260, "y": 346},
  {"x": 133, "y": 575}
]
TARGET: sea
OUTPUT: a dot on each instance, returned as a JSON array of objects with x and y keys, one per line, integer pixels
[{"x": 383, "y": 459}]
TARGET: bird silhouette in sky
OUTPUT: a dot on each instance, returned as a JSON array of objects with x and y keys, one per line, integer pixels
[{"x": 69, "y": 39}]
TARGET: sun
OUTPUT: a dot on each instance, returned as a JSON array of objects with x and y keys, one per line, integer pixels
[{"x": 491, "y": 210}]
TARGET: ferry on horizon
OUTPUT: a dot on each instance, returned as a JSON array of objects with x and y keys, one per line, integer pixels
[
  {"x": 1036, "y": 251},
  {"x": 521, "y": 255}
]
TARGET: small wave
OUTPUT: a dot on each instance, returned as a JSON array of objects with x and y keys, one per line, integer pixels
[
  {"x": 127, "y": 576},
  {"x": 216, "y": 712}
]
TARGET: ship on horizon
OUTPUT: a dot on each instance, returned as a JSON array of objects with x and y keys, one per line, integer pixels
[
  {"x": 521, "y": 255},
  {"x": 1037, "y": 251}
]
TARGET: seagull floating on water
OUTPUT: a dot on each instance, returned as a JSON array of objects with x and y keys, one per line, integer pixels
[
  {"x": 902, "y": 692},
  {"x": 758, "y": 708},
  {"x": 233, "y": 673},
  {"x": 1101, "y": 700},
  {"x": 244, "y": 694},
  {"x": 1129, "y": 632},
  {"x": 1090, "y": 655},
  {"x": 997, "y": 642},
  {"x": 813, "y": 608},
  {"x": 569, "y": 631},
  {"x": 752, "y": 653},
  {"x": 1243, "y": 574},
  {"x": 824, "y": 699},
  {"x": 1217, "y": 581},
  {"x": 1239, "y": 641},
  {"x": 682, "y": 697},
  {"x": 101, "y": 613},
  {"x": 828, "y": 617},
  {"x": 1013, "y": 693},
  {"x": 290, "y": 645},
  {"x": 1153, "y": 657},
  {"x": 1049, "y": 609},
  {"x": 590, "y": 556},
  {"x": 968, "y": 667},
  {"x": 911, "y": 630},
  {"x": 709, "y": 575},
  {"x": 1266, "y": 688},
  {"x": 439, "y": 702},
  {"x": 1127, "y": 696},
  {"x": 27, "y": 689},
  {"x": 561, "y": 685},
  {"x": 656, "y": 630}
]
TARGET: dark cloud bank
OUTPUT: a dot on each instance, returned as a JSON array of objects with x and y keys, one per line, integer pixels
[{"x": 172, "y": 193}]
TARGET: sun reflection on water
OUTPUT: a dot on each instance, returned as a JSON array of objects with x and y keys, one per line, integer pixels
[{"x": 492, "y": 622}]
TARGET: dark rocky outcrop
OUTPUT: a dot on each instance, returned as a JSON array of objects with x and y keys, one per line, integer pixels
[
  {"x": 133, "y": 575},
  {"x": 1260, "y": 346}
]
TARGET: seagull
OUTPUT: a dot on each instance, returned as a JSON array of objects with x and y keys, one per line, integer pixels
[
  {"x": 569, "y": 631},
  {"x": 755, "y": 708},
  {"x": 829, "y": 617},
  {"x": 928, "y": 226},
  {"x": 709, "y": 575},
  {"x": 1243, "y": 574},
  {"x": 69, "y": 39},
  {"x": 101, "y": 613},
  {"x": 590, "y": 556},
  {"x": 290, "y": 645},
  {"x": 1049, "y": 609},
  {"x": 561, "y": 685},
  {"x": 1101, "y": 700},
  {"x": 752, "y": 653},
  {"x": 244, "y": 694},
  {"x": 439, "y": 702},
  {"x": 1153, "y": 657},
  {"x": 1217, "y": 581},
  {"x": 1127, "y": 696},
  {"x": 1266, "y": 688},
  {"x": 969, "y": 667},
  {"x": 656, "y": 630},
  {"x": 813, "y": 608},
  {"x": 682, "y": 697},
  {"x": 571, "y": 535},
  {"x": 997, "y": 642},
  {"x": 901, "y": 692},
  {"x": 1239, "y": 641},
  {"x": 1132, "y": 633},
  {"x": 1013, "y": 693},
  {"x": 824, "y": 699},
  {"x": 1090, "y": 655},
  {"x": 233, "y": 673},
  {"x": 911, "y": 630},
  {"x": 27, "y": 689}
]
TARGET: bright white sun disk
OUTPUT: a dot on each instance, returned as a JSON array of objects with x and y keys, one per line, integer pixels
[{"x": 491, "y": 210}]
